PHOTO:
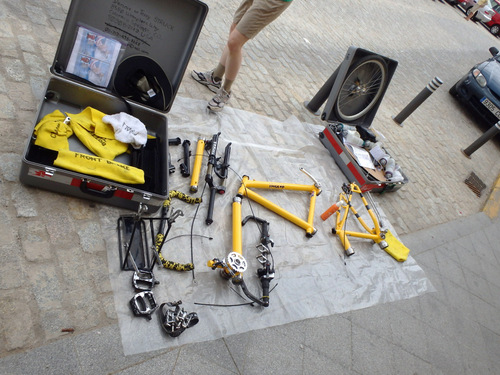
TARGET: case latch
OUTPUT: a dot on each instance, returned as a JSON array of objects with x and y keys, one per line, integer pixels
[{"x": 49, "y": 171}]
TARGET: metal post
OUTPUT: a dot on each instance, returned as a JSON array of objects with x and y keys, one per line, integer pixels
[
  {"x": 324, "y": 92},
  {"x": 419, "y": 99},
  {"x": 490, "y": 133}
]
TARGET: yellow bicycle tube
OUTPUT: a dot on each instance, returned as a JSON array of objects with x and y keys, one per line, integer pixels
[
  {"x": 195, "y": 177},
  {"x": 237, "y": 236},
  {"x": 373, "y": 234},
  {"x": 314, "y": 191}
]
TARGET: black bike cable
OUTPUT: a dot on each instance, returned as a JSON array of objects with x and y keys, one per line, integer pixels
[
  {"x": 229, "y": 305},
  {"x": 192, "y": 228},
  {"x": 189, "y": 235},
  {"x": 217, "y": 305}
]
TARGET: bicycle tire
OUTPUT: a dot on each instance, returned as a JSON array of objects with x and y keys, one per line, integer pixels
[{"x": 362, "y": 88}]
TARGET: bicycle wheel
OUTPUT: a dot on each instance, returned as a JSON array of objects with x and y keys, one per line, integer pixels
[{"x": 364, "y": 84}]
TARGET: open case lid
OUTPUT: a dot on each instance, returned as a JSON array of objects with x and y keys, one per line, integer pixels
[
  {"x": 358, "y": 77},
  {"x": 135, "y": 49}
]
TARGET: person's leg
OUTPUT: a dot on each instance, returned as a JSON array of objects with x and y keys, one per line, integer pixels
[
  {"x": 221, "y": 67},
  {"x": 249, "y": 20},
  {"x": 213, "y": 78},
  {"x": 472, "y": 12},
  {"x": 234, "y": 57}
]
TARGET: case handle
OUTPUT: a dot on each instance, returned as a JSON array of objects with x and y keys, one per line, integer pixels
[{"x": 84, "y": 188}]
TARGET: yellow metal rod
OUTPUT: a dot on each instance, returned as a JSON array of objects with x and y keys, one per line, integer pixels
[
  {"x": 195, "y": 178},
  {"x": 343, "y": 239},
  {"x": 376, "y": 228},
  {"x": 280, "y": 211},
  {"x": 279, "y": 186},
  {"x": 361, "y": 235},
  {"x": 237, "y": 236},
  {"x": 312, "y": 206},
  {"x": 361, "y": 221}
]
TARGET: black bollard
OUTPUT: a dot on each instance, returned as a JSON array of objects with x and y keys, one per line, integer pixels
[
  {"x": 489, "y": 134},
  {"x": 419, "y": 99},
  {"x": 322, "y": 95}
]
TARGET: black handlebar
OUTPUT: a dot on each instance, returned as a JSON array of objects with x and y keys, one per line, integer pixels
[{"x": 265, "y": 299}]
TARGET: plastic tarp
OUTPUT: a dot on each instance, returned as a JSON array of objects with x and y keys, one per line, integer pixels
[{"x": 313, "y": 277}]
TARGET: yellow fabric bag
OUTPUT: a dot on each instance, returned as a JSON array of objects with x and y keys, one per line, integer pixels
[
  {"x": 96, "y": 135},
  {"x": 52, "y": 132},
  {"x": 96, "y": 166}
]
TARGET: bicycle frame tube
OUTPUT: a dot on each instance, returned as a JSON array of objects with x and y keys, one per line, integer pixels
[
  {"x": 314, "y": 191},
  {"x": 237, "y": 236},
  {"x": 373, "y": 234},
  {"x": 233, "y": 266},
  {"x": 195, "y": 177}
]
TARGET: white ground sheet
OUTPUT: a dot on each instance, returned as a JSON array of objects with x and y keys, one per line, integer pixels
[{"x": 313, "y": 277}]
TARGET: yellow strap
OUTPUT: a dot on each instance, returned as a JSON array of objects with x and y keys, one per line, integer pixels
[{"x": 96, "y": 166}]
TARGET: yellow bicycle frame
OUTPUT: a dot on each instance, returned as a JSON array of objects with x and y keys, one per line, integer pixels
[
  {"x": 374, "y": 234},
  {"x": 385, "y": 239},
  {"x": 236, "y": 272}
]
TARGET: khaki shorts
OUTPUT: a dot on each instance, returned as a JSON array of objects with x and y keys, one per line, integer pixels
[{"x": 253, "y": 15}]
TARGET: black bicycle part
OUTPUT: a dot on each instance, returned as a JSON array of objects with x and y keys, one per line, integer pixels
[
  {"x": 171, "y": 167},
  {"x": 185, "y": 166},
  {"x": 222, "y": 169},
  {"x": 266, "y": 272},
  {"x": 211, "y": 204},
  {"x": 174, "y": 141},
  {"x": 265, "y": 239},
  {"x": 209, "y": 178},
  {"x": 177, "y": 320},
  {"x": 363, "y": 86},
  {"x": 132, "y": 242},
  {"x": 250, "y": 296},
  {"x": 212, "y": 158},
  {"x": 143, "y": 304},
  {"x": 144, "y": 280}
]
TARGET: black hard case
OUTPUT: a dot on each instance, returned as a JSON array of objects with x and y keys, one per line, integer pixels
[
  {"x": 328, "y": 137},
  {"x": 165, "y": 31}
]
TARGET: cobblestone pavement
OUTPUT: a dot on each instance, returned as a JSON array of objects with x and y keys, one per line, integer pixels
[{"x": 54, "y": 267}]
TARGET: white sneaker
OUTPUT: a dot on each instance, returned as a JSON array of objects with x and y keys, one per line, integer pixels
[
  {"x": 218, "y": 101},
  {"x": 206, "y": 79}
]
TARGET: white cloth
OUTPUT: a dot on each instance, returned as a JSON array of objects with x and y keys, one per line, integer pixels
[{"x": 128, "y": 129}]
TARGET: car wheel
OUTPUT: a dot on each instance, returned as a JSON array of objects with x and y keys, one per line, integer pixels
[{"x": 495, "y": 29}]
